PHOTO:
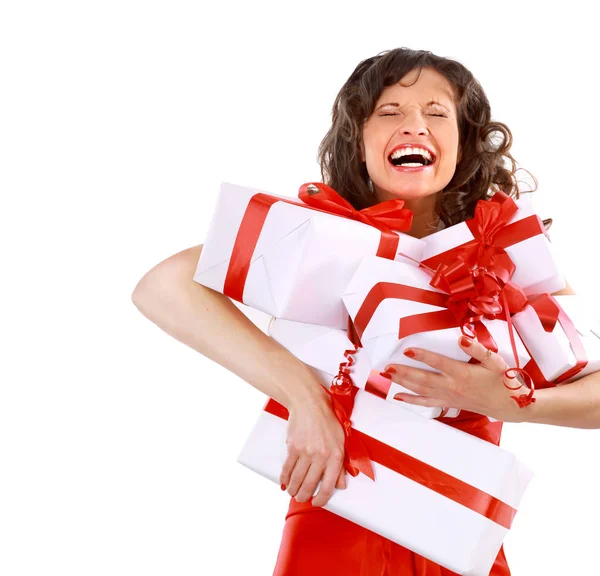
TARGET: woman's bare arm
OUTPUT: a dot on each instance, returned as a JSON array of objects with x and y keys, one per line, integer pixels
[{"x": 211, "y": 324}]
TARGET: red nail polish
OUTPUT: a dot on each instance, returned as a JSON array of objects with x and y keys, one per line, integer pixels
[
  {"x": 409, "y": 353},
  {"x": 466, "y": 342},
  {"x": 283, "y": 486},
  {"x": 397, "y": 397},
  {"x": 389, "y": 370}
]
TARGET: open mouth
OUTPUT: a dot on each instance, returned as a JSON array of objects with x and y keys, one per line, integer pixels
[{"x": 411, "y": 160}]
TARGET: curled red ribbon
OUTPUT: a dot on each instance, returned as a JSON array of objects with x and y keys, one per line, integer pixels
[
  {"x": 478, "y": 273},
  {"x": 386, "y": 217}
]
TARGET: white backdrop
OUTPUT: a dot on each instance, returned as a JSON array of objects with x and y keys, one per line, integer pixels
[{"x": 118, "y": 121}]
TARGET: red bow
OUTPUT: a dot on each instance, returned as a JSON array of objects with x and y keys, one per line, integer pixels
[
  {"x": 387, "y": 215},
  {"x": 478, "y": 279}
]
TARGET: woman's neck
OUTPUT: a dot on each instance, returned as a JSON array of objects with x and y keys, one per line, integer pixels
[{"x": 425, "y": 218}]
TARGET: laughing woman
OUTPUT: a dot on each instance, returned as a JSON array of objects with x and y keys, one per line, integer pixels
[{"x": 409, "y": 125}]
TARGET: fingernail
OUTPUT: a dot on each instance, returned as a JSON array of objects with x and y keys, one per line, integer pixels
[
  {"x": 389, "y": 370},
  {"x": 466, "y": 342},
  {"x": 283, "y": 486},
  {"x": 396, "y": 397},
  {"x": 409, "y": 353}
]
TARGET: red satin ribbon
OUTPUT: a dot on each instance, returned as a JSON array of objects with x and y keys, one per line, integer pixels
[
  {"x": 436, "y": 480},
  {"x": 491, "y": 234},
  {"x": 428, "y": 321},
  {"x": 385, "y": 217},
  {"x": 378, "y": 385},
  {"x": 341, "y": 394},
  {"x": 485, "y": 289},
  {"x": 550, "y": 312},
  {"x": 455, "y": 315}
]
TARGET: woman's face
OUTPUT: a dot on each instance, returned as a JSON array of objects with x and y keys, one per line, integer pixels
[{"x": 422, "y": 115}]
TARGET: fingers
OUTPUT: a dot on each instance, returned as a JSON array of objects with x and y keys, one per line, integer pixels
[
  {"x": 445, "y": 365},
  {"x": 287, "y": 469},
  {"x": 298, "y": 475},
  {"x": 341, "y": 480},
  {"x": 490, "y": 360},
  {"x": 302, "y": 480},
  {"x": 421, "y": 400},
  {"x": 415, "y": 379},
  {"x": 331, "y": 475}
]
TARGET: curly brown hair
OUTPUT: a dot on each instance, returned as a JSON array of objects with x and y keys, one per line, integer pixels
[{"x": 482, "y": 169}]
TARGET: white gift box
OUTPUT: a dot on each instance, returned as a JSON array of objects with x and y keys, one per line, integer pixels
[
  {"x": 301, "y": 262},
  {"x": 380, "y": 336},
  {"x": 536, "y": 268},
  {"x": 553, "y": 351},
  {"x": 323, "y": 348},
  {"x": 435, "y": 520}
]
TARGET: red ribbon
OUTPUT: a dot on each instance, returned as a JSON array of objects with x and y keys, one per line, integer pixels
[
  {"x": 436, "y": 480},
  {"x": 491, "y": 234},
  {"x": 477, "y": 273},
  {"x": 385, "y": 217}
]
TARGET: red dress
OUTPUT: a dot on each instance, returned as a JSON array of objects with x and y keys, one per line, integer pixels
[{"x": 306, "y": 548}]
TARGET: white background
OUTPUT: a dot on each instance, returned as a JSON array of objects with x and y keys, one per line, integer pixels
[{"x": 119, "y": 120}]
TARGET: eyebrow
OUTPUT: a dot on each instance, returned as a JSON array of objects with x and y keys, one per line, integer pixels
[{"x": 398, "y": 105}]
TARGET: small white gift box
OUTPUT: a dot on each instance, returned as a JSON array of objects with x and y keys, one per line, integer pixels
[
  {"x": 438, "y": 491},
  {"x": 323, "y": 348},
  {"x": 523, "y": 238},
  {"x": 380, "y": 327},
  {"x": 556, "y": 353},
  {"x": 288, "y": 259}
]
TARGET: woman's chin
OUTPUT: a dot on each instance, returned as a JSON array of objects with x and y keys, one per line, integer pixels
[{"x": 404, "y": 193}]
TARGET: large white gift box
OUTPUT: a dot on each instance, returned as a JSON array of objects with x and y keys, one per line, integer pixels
[
  {"x": 523, "y": 238},
  {"x": 574, "y": 337},
  {"x": 438, "y": 491},
  {"x": 323, "y": 348},
  {"x": 386, "y": 315},
  {"x": 286, "y": 258}
]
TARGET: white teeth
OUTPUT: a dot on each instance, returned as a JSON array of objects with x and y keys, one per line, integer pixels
[
  {"x": 415, "y": 150},
  {"x": 411, "y": 164}
]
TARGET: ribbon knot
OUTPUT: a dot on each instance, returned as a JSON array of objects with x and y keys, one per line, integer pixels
[
  {"x": 479, "y": 286},
  {"x": 385, "y": 216}
]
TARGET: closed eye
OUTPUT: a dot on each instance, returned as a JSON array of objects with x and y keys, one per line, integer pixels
[{"x": 438, "y": 115}]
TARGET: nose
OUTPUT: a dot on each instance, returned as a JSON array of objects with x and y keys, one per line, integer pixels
[{"x": 414, "y": 123}]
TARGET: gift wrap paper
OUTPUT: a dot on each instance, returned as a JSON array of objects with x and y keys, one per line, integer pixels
[
  {"x": 440, "y": 492},
  {"x": 299, "y": 264},
  {"x": 323, "y": 349},
  {"x": 380, "y": 336},
  {"x": 553, "y": 352},
  {"x": 524, "y": 240}
]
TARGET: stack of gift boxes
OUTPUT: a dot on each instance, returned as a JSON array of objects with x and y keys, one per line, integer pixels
[{"x": 349, "y": 291}]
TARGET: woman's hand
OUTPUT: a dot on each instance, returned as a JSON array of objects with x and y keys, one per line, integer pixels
[
  {"x": 477, "y": 388},
  {"x": 315, "y": 442}
]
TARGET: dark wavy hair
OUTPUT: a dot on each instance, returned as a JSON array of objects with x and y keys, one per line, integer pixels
[{"x": 485, "y": 144}]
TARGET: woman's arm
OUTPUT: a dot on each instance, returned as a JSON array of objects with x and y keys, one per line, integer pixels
[
  {"x": 576, "y": 405},
  {"x": 211, "y": 324},
  {"x": 481, "y": 388}
]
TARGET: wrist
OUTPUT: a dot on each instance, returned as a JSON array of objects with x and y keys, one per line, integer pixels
[
  {"x": 308, "y": 394},
  {"x": 516, "y": 413}
]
